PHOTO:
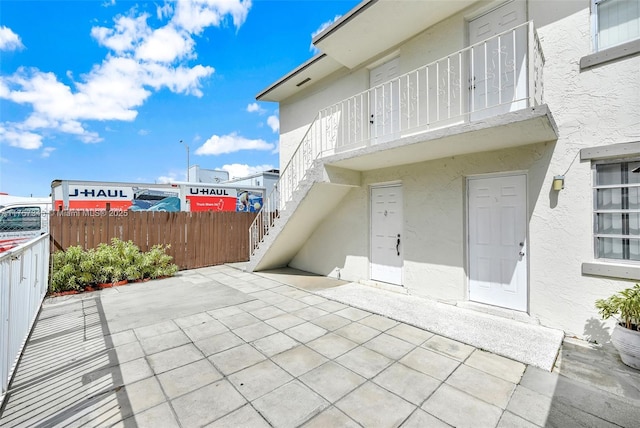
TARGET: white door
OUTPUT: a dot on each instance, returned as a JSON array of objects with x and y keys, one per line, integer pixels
[
  {"x": 386, "y": 234},
  {"x": 384, "y": 102},
  {"x": 498, "y": 75},
  {"x": 498, "y": 241}
]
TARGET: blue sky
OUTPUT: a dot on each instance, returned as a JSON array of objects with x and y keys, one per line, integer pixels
[{"x": 105, "y": 90}]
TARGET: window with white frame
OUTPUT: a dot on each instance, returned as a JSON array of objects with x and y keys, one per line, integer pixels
[
  {"x": 617, "y": 210},
  {"x": 615, "y": 22}
]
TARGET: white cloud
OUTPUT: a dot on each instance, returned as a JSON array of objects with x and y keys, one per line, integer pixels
[
  {"x": 19, "y": 138},
  {"x": 9, "y": 41},
  {"x": 143, "y": 132},
  {"x": 195, "y": 15},
  {"x": 217, "y": 145},
  {"x": 320, "y": 29},
  {"x": 237, "y": 170},
  {"x": 255, "y": 108},
  {"x": 141, "y": 60},
  {"x": 274, "y": 123},
  {"x": 46, "y": 152},
  {"x": 165, "y": 179},
  {"x": 166, "y": 44}
]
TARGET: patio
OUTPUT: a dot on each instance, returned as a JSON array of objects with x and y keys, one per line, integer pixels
[{"x": 220, "y": 347}]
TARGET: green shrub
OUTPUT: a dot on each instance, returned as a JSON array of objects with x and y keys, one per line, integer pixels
[{"x": 76, "y": 268}]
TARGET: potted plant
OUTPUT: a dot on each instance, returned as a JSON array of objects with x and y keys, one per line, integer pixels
[{"x": 626, "y": 334}]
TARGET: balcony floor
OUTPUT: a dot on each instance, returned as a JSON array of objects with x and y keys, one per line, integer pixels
[
  {"x": 519, "y": 128},
  {"x": 224, "y": 347}
]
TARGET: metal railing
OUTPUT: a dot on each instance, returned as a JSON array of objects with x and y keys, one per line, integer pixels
[
  {"x": 492, "y": 77},
  {"x": 24, "y": 274}
]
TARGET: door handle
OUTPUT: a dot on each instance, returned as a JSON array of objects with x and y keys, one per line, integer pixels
[
  {"x": 371, "y": 120},
  {"x": 521, "y": 253},
  {"x": 398, "y": 245}
]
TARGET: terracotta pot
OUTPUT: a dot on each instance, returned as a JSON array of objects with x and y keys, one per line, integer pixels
[{"x": 627, "y": 342}]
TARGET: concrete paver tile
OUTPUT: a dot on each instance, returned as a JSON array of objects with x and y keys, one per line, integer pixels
[
  {"x": 244, "y": 417},
  {"x": 364, "y": 361},
  {"x": 305, "y": 332},
  {"x": 267, "y": 312},
  {"x": 331, "y": 322},
  {"x": 422, "y": 419},
  {"x": 274, "y": 344},
  {"x": 195, "y": 319},
  {"x": 540, "y": 381},
  {"x": 449, "y": 347},
  {"x": 378, "y": 322},
  {"x": 357, "y": 332},
  {"x": 530, "y": 405},
  {"x": 312, "y": 300},
  {"x": 164, "y": 341},
  {"x": 496, "y": 365},
  {"x": 256, "y": 331},
  {"x": 509, "y": 420},
  {"x": 389, "y": 346},
  {"x": 121, "y": 338},
  {"x": 372, "y": 406},
  {"x": 204, "y": 330},
  {"x": 127, "y": 352},
  {"x": 331, "y": 417},
  {"x": 332, "y": 381},
  {"x": 207, "y": 404},
  {"x": 252, "y": 305},
  {"x": 562, "y": 415},
  {"x": 353, "y": 314},
  {"x": 155, "y": 329},
  {"x": 299, "y": 360},
  {"x": 260, "y": 379},
  {"x": 409, "y": 333},
  {"x": 482, "y": 385},
  {"x": 331, "y": 345},
  {"x": 461, "y": 410},
  {"x": 290, "y": 305},
  {"x": 225, "y": 312},
  {"x": 284, "y": 322},
  {"x": 218, "y": 343},
  {"x": 173, "y": 358},
  {"x": 430, "y": 363},
  {"x": 331, "y": 306},
  {"x": 140, "y": 396},
  {"x": 290, "y": 405},
  {"x": 134, "y": 371},
  {"x": 409, "y": 384},
  {"x": 235, "y": 359},
  {"x": 160, "y": 415},
  {"x": 238, "y": 320},
  {"x": 188, "y": 378},
  {"x": 310, "y": 313}
]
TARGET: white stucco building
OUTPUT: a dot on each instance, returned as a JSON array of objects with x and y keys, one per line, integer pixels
[{"x": 419, "y": 149}]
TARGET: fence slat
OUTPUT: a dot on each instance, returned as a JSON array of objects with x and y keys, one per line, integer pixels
[{"x": 197, "y": 239}]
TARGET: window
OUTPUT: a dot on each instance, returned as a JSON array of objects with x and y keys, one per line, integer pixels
[
  {"x": 20, "y": 219},
  {"x": 617, "y": 210},
  {"x": 615, "y": 22}
]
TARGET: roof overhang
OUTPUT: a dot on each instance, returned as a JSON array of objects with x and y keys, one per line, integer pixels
[{"x": 368, "y": 30}]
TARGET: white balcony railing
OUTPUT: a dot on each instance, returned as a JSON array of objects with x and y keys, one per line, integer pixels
[
  {"x": 24, "y": 279},
  {"x": 493, "y": 77}
]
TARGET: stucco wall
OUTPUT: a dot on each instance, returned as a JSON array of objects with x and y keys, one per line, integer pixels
[{"x": 594, "y": 107}]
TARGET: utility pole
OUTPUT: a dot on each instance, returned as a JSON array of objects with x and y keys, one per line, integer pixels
[{"x": 188, "y": 165}]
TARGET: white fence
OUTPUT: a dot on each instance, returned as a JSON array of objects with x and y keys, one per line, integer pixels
[
  {"x": 24, "y": 274},
  {"x": 490, "y": 78}
]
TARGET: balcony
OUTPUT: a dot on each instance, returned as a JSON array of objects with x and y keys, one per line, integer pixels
[{"x": 487, "y": 96}]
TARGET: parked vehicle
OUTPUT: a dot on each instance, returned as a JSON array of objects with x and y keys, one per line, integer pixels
[
  {"x": 23, "y": 221},
  {"x": 70, "y": 195}
]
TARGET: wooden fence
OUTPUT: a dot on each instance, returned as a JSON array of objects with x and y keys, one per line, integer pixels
[{"x": 197, "y": 239}]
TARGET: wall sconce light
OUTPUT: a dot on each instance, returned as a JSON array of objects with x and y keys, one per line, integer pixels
[{"x": 558, "y": 182}]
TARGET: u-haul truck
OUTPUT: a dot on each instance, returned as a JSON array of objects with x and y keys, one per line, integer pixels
[{"x": 71, "y": 195}]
